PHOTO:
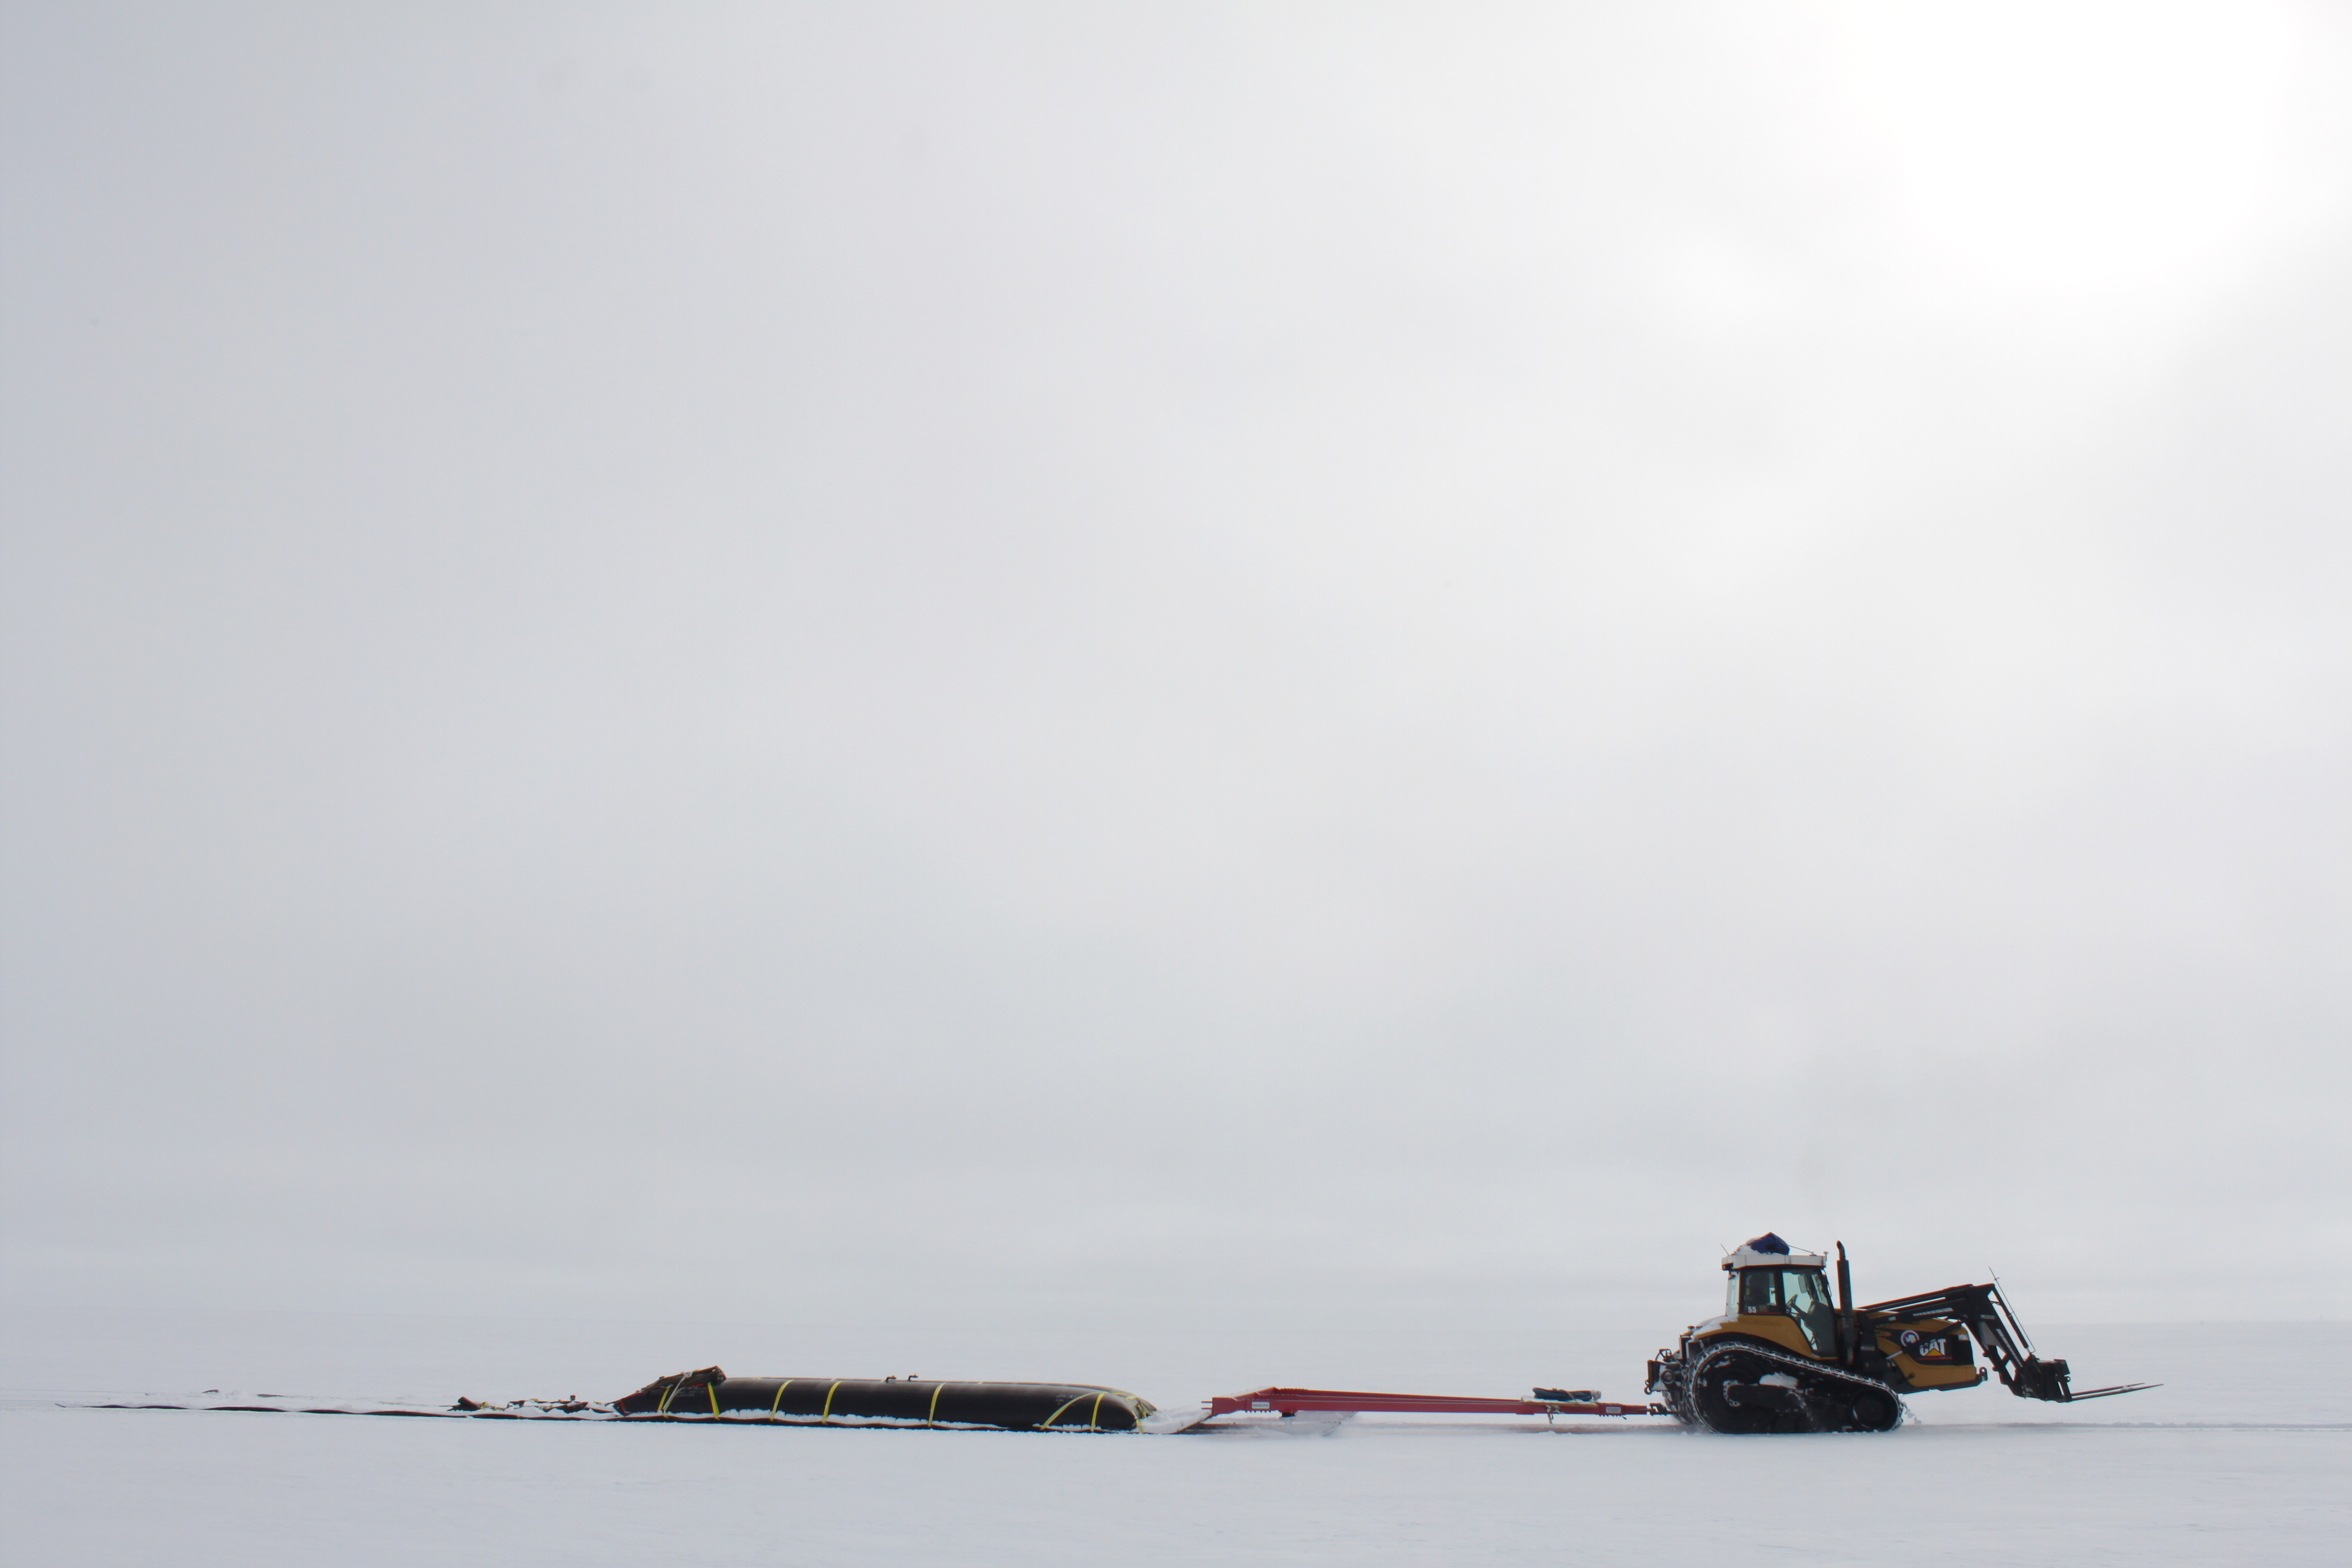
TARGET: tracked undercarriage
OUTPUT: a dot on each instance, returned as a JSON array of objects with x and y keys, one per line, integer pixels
[{"x": 1743, "y": 1387}]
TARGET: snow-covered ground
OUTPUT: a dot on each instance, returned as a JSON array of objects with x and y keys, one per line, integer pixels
[{"x": 2245, "y": 1456}]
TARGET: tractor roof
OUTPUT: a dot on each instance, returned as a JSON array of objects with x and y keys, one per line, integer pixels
[{"x": 1768, "y": 1251}]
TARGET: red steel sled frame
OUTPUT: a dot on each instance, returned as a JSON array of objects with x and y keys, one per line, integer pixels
[{"x": 1291, "y": 1401}]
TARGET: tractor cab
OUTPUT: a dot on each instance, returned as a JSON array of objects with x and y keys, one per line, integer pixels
[{"x": 1770, "y": 1281}]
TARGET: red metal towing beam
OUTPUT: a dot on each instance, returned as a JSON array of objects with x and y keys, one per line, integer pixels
[{"x": 1291, "y": 1401}]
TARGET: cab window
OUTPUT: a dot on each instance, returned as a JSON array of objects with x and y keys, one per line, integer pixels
[
  {"x": 1759, "y": 1290},
  {"x": 1805, "y": 1291},
  {"x": 1799, "y": 1293}
]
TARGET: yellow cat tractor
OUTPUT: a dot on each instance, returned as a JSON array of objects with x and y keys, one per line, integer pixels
[{"x": 1783, "y": 1358}]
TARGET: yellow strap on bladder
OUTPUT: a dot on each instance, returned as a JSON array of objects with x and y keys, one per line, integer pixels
[
  {"x": 1057, "y": 1414},
  {"x": 779, "y": 1404},
  {"x": 933, "y": 1419},
  {"x": 828, "y": 1403},
  {"x": 1137, "y": 1405},
  {"x": 1093, "y": 1418},
  {"x": 712, "y": 1389},
  {"x": 663, "y": 1408}
]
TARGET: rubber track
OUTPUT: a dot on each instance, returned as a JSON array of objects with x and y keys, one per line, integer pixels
[{"x": 1795, "y": 1365}]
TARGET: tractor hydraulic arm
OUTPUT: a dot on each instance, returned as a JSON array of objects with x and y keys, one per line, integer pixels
[
  {"x": 1995, "y": 1327},
  {"x": 1980, "y": 1309}
]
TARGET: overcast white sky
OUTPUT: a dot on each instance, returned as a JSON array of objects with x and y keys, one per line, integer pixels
[{"x": 1260, "y": 663}]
